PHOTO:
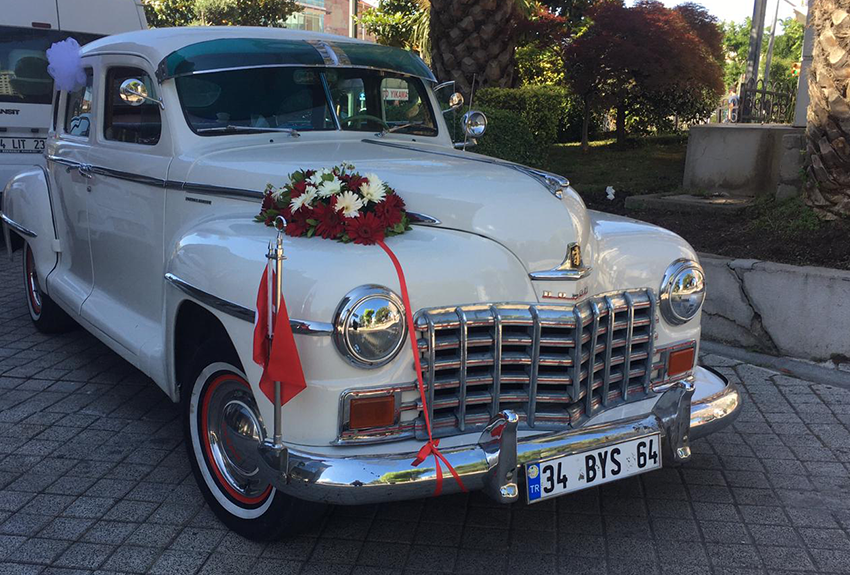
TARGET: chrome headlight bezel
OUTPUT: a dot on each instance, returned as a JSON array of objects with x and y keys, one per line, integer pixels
[
  {"x": 346, "y": 321},
  {"x": 672, "y": 282}
]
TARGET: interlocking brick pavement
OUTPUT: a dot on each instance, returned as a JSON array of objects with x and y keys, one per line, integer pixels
[{"x": 94, "y": 479}]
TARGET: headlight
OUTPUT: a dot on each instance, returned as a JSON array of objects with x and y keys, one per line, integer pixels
[
  {"x": 369, "y": 326},
  {"x": 682, "y": 291}
]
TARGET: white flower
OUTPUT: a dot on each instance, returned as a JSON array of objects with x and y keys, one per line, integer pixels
[
  {"x": 610, "y": 192},
  {"x": 349, "y": 204},
  {"x": 277, "y": 193},
  {"x": 330, "y": 188},
  {"x": 316, "y": 179},
  {"x": 304, "y": 199},
  {"x": 373, "y": 191}
]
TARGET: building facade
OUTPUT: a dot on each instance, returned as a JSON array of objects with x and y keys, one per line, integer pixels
[{"x": 330, "y": 16}]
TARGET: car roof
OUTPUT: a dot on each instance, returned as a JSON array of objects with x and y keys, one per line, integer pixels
[
  {"x": 197, "y": 49},
  {"x": 157, "y": 43}
]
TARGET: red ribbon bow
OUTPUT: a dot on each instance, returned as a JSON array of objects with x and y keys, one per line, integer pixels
[{"x": 430, "y": 448}]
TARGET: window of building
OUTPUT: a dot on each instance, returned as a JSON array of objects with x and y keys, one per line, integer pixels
[
  {"x": 306, "y": 21},
  {"x": 141, "y": 124}
]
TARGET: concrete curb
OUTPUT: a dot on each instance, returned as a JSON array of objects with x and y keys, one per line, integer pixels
[{"x": 779, "y": 309}]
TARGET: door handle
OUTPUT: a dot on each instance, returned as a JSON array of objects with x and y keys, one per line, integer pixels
[{"x": 85, "y": 170}]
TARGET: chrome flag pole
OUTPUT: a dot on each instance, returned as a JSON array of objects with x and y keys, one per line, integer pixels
[
  {"x": 275, "y": 271},
  {"x": 273, "y": 452}
]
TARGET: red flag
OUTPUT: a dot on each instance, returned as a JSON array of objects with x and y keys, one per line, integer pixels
[{"x": 281, "y": 363}]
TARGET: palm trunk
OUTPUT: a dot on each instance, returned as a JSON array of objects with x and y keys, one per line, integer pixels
[
  {"x": 828, "y": 130},
  {"x": 474, "y": 38}
]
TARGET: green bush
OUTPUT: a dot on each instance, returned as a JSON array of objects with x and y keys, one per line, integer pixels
[
  {"x": 508, "y": 137},
  {"x": 542, "y": 107},
  {"x": 552, "y": 113}
]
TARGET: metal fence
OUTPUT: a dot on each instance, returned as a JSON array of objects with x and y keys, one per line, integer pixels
[{"x": 760, "y": 103}]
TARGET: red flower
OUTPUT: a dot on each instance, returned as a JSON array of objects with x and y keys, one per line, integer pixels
[
  {"x": 296, "y": 223},
  {"x": 330, "y": 224},
  {"x": 366, "y": 229},
  {"x": 268, "y": 201},
  {"x": 298, "y": 189},
  {"x": 390, "y": 210}
]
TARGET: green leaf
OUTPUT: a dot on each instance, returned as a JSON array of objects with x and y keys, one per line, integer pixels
[
  {"x": 313, "y": 222},
  {"x": 310, "y": 232}
]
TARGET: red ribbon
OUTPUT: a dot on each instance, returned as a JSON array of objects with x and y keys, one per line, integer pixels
[{"x": 430, "y": 448}]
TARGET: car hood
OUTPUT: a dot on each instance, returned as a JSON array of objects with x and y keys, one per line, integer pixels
[{"x": 464, "y": 191}]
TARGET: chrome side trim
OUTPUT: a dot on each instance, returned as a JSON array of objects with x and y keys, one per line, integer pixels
[
  {"x": 208, "y": 189},
  {"x": 299, "y": 326},
  {"x": 420, "y": 219},
  {"x": 17, "y": 227}
]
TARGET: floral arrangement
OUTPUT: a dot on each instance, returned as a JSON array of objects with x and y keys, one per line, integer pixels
[{"x": 336, "y": 203}]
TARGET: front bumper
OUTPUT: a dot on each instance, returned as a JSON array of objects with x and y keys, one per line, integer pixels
[{"x": 493, "y": 462}]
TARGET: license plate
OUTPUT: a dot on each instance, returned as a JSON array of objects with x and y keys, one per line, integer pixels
[
  {"x": 570, "y": 473},
  {"x": 21, "y": 145}
]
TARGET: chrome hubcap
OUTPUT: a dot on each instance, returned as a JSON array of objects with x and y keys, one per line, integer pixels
[{"x": 234, "y": 432}]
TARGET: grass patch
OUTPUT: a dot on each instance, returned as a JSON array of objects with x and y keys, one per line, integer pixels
[
  {"x": 787, "y": 220},
  {"x": 646, "y": 166}
]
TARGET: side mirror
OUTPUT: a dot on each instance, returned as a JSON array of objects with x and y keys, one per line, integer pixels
[
  {"x": 455, "y": 100},
  {"x": 134, "y": 92}
]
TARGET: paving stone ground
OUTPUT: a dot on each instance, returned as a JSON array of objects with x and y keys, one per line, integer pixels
[{"x": 94, "y": 478}]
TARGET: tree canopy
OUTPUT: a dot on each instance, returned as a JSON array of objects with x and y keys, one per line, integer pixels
[
  {"x": 165, "y": 13},
  {"x": 662, "y": 61}
]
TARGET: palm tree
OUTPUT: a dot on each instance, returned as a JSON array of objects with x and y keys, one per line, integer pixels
[
  {"x": 828, "y": 131},
  {"x": 475, "y": 38}
]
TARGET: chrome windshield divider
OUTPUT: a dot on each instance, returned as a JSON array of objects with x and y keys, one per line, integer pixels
[
  {"x": 575, "y": 387},
  {"x": 464, "y": 357},
  {"x": 535, "y": 367},
  {"x": 591, "y": 362},
  {"x": 609, "y": 335},
  {"x": 497, "y": 361},
  {"x": 650, "y": 345},
  {"x": 627, "y": 348}
]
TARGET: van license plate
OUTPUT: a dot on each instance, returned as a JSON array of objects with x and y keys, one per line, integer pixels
[
  {"x": 21, "y": 145},
  {"x": 555, "y": 477}
]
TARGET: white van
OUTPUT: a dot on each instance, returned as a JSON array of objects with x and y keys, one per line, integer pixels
[{"x": 27, "y": 29}]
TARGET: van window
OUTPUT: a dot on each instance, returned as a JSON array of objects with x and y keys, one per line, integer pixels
[
  {"x": 23, "y": 63},
  {"x": 122, "y": 122},
  {"x": 78, "y": 109}
]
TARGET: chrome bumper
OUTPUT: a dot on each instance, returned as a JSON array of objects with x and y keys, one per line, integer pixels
[{"x": 493, "y": 462}]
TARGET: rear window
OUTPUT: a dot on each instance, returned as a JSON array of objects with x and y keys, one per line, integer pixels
[{"x": 23, "y": 63}]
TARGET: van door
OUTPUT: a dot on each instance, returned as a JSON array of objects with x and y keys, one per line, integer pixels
[
  {"x": 71, "y": 281},
  {"x": 127, "y": 209}
]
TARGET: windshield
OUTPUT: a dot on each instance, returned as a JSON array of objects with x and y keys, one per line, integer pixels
[
  {"x": 305, "y": 99},
  {"x": 23, "y": 63}
]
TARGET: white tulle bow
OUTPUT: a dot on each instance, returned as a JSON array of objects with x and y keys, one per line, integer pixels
[{"x": 65, "y": 65}]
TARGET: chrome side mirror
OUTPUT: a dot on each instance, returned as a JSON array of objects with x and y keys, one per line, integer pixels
[
  {"x": 474, "y": 124},
  {"x": 455, "y": 100},
  {"x": 134, "y": 92}
]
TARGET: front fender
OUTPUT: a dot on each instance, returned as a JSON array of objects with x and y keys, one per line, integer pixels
[
  {"x": 28, "y": 212},
  {"x": 635, "y": 254},
  {"x": 225, "y": 257}
]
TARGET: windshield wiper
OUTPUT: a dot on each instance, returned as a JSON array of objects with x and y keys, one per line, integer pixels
[
  {"x": 394, "y": 129},
  {"x": 233, "y": 129}
]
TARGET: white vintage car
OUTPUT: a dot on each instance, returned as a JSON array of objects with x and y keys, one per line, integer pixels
[{"x": 558, "y": 344}]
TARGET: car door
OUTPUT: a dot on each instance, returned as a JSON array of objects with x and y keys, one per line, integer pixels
[
  {"x": 129, "y": 162},
  {"x": 68, "y": 148}
]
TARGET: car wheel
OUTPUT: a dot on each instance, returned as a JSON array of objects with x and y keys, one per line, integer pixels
[
  {"x": 222, "y": 427},
  {"x": 45, "y": 314}
]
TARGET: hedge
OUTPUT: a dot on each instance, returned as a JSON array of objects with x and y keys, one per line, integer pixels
[{"x": 508, "y": 137}]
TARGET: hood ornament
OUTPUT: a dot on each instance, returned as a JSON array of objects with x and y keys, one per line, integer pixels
[{"x": 571, "y": 269}]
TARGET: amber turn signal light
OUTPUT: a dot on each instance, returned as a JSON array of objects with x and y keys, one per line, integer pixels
[
  {"x": 681, "y": 361},
  {"x": 369, "y": 412}
]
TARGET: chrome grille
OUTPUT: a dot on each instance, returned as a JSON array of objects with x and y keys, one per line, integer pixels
[{"x": 555, "y": 365}]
